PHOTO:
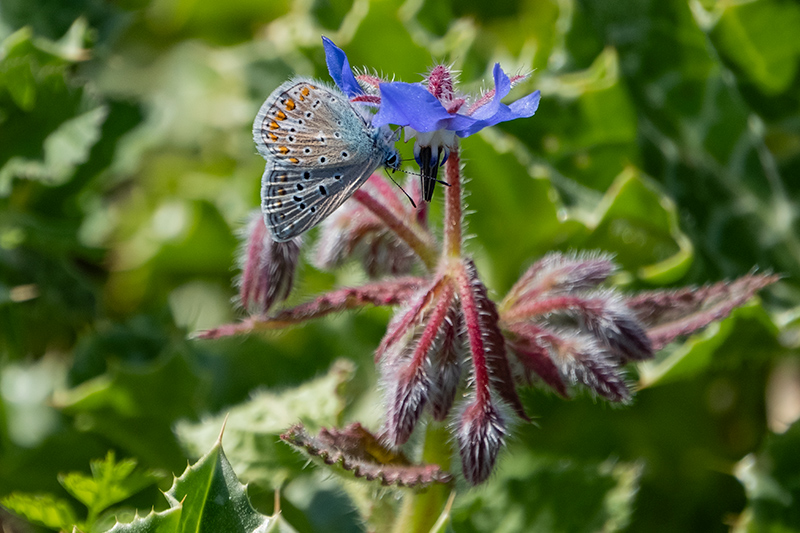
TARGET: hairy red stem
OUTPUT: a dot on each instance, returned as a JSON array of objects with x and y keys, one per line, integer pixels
[{"x": 452, "y": 205}]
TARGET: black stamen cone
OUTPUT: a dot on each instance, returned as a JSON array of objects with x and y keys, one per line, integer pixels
[{"x": 428, "y": 170}]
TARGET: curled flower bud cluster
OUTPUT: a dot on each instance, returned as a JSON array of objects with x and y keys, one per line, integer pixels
[{"x": 420, "y": 363}]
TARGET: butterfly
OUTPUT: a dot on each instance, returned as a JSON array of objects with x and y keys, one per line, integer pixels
[{"x": 320, "y": 149}]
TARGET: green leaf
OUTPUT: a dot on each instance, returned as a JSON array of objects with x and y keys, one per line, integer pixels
[
  {"x": 110, "y": 483},
  {"x": 64, "y": 149},
  {"x": 761, "y": 39},
  {"x": 18, "y": 79},
  {"x": 135, "y": 407},
  {"x": 168, "y": 521},
  {"x": 551, "y": 494},
  {"x": 771, "y": 479},
  {"x": 587, "y": 125},
  {"x": 254, "y": 427},
  {"x": 212, "y": 497},
  {"x": 54, "y": 123},
  {"x": 44, "y": 509},
  {"x": 640, "y": 225},
  {"x": 207, "y": 497}
]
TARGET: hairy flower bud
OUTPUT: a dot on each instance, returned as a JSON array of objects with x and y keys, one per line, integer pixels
[
  {"x": 607, "y": 318},
  {"x": 481, "y": 433},
  {"x": 418, "y": 338},
  {"x": 406, "y": 394},
  {"x": 354, "y": 231},
  {"x": 556, "y": 311},
  {"x": 268, "y": 267},
  {"x": 534, "y": 357},
  {"x": 487, "y": 344},
  {"x": 559, "y": 273},
  {"x": 445, "y": 366},
  {"x": 582, "y": 360}
]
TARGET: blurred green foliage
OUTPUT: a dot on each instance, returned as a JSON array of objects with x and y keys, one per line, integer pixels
[{"x": 668, "y": 134}]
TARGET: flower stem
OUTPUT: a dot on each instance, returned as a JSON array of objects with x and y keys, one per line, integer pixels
[
  {"x": 452, "y": 206},
  {"x": 418, "y": 243},
  {"x": 391, "y": 292},
  {"x": 421, "y": 510}
]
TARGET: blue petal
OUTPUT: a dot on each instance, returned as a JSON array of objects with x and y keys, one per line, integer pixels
[
  {"x": 503, "y": 114},
  {"x": 523, "y": 108},
  {"x": 502, "y": 86},
  {"x": 526, "y": 107},
  {"x": 339, "y": 68},
  {"x": 410, "y": 104}
]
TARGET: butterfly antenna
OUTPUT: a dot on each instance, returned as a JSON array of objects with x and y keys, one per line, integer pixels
[
  {"x": 401, "y": 188},
  {"x": 417, "y": 174},
  {"x": 397, "y": 132}
]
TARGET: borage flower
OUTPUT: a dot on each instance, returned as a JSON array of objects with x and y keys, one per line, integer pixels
[
  {"x": 450, "y": 350},
  {"x": 431, "y": 111}
]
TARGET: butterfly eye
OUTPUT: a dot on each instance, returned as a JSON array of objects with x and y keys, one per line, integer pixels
[{"x": 391, "y": 160}]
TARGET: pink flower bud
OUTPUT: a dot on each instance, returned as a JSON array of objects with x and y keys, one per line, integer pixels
[
  {"x": 268, "y": 268},
  {"x": 555, "y": 311},
  {"x": 445, "y": 366},
  {"x": 534, "y": 356},
  {"x": 581, "y": 359},
  {"x": 354, "y": 231},
  {"x": 406, "y": 395},
  {"x": 558, "y": 273},
  {"x": 440, "y": 83},
  {"x": 487, "y": 344},
  {"x": 418, "y": 337},
  {"x": 607, "y": 317},
  {"x": 481, "y": 433}
]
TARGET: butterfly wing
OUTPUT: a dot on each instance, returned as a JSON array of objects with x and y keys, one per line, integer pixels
[
  {"x": 295, "y": 200},
  {"x": 308, "y": 125}
]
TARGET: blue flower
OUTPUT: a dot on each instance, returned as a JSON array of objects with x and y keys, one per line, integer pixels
[
  {"x": 417, "y": 106},
  {"x": 431, "y": 111}
]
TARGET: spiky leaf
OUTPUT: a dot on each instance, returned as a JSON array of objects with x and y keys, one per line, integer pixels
[
  {"x": 252, "y": 428},
  {"x": 168, "y": 521},
  {"x": 212, "y": 497}
]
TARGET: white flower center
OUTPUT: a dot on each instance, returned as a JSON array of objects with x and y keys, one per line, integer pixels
[{"x": 437, "y": 139}]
